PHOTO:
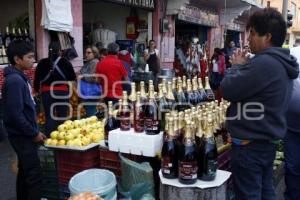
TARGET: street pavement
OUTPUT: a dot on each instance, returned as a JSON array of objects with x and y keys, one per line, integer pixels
[{"x": 8, "y": 169}]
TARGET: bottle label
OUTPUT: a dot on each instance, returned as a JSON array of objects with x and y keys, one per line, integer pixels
[
  {"x": 188, "y": 170},
  {"x": 166, "y": 165},
  {"x": 148, "y": 124},
  {"x": 125, "y": 122}
]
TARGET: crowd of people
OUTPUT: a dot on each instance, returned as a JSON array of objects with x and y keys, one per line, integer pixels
[{"x": 263, "y": 90}]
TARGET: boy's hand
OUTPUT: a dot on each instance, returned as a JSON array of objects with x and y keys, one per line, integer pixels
[{"x": 40, "y": 138}]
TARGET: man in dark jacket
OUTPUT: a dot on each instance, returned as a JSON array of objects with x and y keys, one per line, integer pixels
[
  {"x": 259, "y": 90},
  {"x": 20, "y": 119},
  {"x": 292, "y": 141}
]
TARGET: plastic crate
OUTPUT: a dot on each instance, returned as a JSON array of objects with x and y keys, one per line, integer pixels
[
  {"x": 70, "y": 163},
  {"x": 110, "y": 160},
  {"x": 47, "y": 159}
]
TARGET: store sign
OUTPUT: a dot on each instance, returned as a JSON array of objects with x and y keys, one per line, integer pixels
[
  {"x": 235, "y": 27},
  {"x": 148, "y": 4},
  {"x": 198, "y": 16}
]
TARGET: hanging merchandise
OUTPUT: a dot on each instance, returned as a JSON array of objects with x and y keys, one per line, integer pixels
[
  {"x": 131, "y": 25},
  {"x": 57, "y": 15}
]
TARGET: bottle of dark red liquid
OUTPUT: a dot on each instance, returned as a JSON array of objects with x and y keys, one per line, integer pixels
[
  {"x": 151, "y": 114},
  {"x": 111, "y": 122},
  {"x": 208, "y": 153},
  {"x": 187, "y": 165},
  {"x": 125, "y": 114},
  {"x": 138, "y": 115},
  {"x": 169, "y": 154}
]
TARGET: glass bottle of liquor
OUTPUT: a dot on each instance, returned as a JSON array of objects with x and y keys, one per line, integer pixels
[
  {"x": 151, "y": 115},
  {"x": 125, "y": 114},
  {"x": 1, "y": 58},
  {"x": 13, "y": 34},
  {"x": 209, "y": 153},
  {"x": 163, "y": 107},
  {"x": 19, "y": 36},
  {"x": 174, "y": 88},
  {"x": 138, "y": 115},
  {"x": 181, "y": 128},
  {"x": 191, "y": 97},
  {"x": 181, "y": 99},
  {"x": 7, "y": 38},
  {"x": 169, "y": 153},
  {"x": 201, "y": 91},
  {"x": 210, "y": 94},
  {"x": 143, "y": 92},
  {"x": 4, "y": 56},
  {"x": 132, "y": 100},
  {"x": 170, "y": 97},
  {"x": 164, "y": 86},
  {"x": 111, "y": 123},
  {"x": 195, "y": 90},
  {"x": 1, "y": 39},
  {"x": 188, "y": 167},
  {"x": 184, "y": 86}
]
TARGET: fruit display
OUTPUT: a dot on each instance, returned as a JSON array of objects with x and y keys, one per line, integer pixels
[
  {"x": 77, "y": 133},
  {"x": 86, "y": 196}
]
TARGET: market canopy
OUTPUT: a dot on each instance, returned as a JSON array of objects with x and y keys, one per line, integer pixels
[{"x": 229, "y": 9}]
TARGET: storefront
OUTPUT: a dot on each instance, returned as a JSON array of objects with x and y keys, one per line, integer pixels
[
  {"x": 234, "y": 31},
  {"x": 129, "y": 23}
]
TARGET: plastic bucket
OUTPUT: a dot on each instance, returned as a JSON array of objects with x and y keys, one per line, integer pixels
[{"x": 99, "y": 181}]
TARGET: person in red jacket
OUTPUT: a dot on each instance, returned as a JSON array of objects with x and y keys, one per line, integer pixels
[{"x": 112, "y": 71}]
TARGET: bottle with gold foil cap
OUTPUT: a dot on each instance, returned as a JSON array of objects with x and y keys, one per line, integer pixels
[
  {"x": 210, "y": 94},
  {"x": 151, "y": 115},
  {"x": 208, "y": 154},
  {"x": 163, "y": 107},
  {"x": 138, "y": 115},
  {"x": 188, "y": 167},
  {"x": 125, "y": 124},
  {"x": 110, "y": 122},
  {"x": 143, "y": 92},
  {"x": 169, "y": 154}
]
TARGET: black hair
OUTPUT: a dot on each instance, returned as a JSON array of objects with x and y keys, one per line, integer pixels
[
  {"x": 18, "y": 48},
  {"x": 113, "y": 48},
  {"x": 269, "y": 20}
]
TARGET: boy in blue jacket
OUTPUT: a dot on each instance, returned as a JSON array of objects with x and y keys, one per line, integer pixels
[
  {"x": 20, "y": 119},
  {"x": 259, "y": 90}
]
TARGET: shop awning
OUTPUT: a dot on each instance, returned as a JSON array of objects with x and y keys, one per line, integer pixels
[{"x": 230, "y": 9}]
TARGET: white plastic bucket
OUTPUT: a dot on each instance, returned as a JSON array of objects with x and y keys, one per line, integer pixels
[{"x": 99, "y": 181}]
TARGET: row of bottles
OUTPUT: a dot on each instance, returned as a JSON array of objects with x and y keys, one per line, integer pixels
[
  {"x": 8, "y": 38},
  {"x": 13, "y": 35},
  {"x": 145, "y": 111},
  {"x": 189, "y": 151}
]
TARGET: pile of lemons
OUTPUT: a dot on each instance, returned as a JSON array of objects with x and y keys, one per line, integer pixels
[{"x": 77, "y": 133}]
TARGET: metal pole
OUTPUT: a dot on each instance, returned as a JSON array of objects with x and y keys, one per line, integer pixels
[{"x": 284, "y": 9}]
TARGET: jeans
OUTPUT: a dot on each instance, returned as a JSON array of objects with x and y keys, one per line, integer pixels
[
  {"x": 292, "y": 166},
  {"x": 29, "y": 178},
  {"x": 60, "y": 111},
  {"x": 252, "y": 170}
]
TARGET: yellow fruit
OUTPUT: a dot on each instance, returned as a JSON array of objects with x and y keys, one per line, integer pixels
[
  {"x": 70, "y": 143},
  {"x": 54, "y": 142},
  {"x": 97, "y": 137},
  {"x": 61, "y": 135},
  {"x": 61, "y": 128},
  {"x": 48, "y": 141},
  {"x": 54, "y": 134},
  {"x": 69, "y": 136},
  {"x": 77, "y": 143},
  {"x": 80, "y": 136},
  {"x": 85, "y": 141},
  {"x": 61, "y": 143},
  {"x": 94, "y": 119}
]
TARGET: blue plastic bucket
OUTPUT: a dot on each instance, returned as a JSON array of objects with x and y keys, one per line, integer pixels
[{"x": 99, "y": 181}]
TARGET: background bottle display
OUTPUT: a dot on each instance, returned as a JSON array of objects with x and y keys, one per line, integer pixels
[
  {"x": 138, "y": 115},
  {"x": 7, "y": 38},
  {"x": 4, "y": 56},
  {"x": 151, "y": 115},
  {"x": 125, "y": 124},
  {"x": 169, "y": 164},
  {"x": 111, "y": 123},
  {"x": 208, "y": 153},
  {"x": 187, "y": 169},
  {"x": 210, "y": 94}
]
